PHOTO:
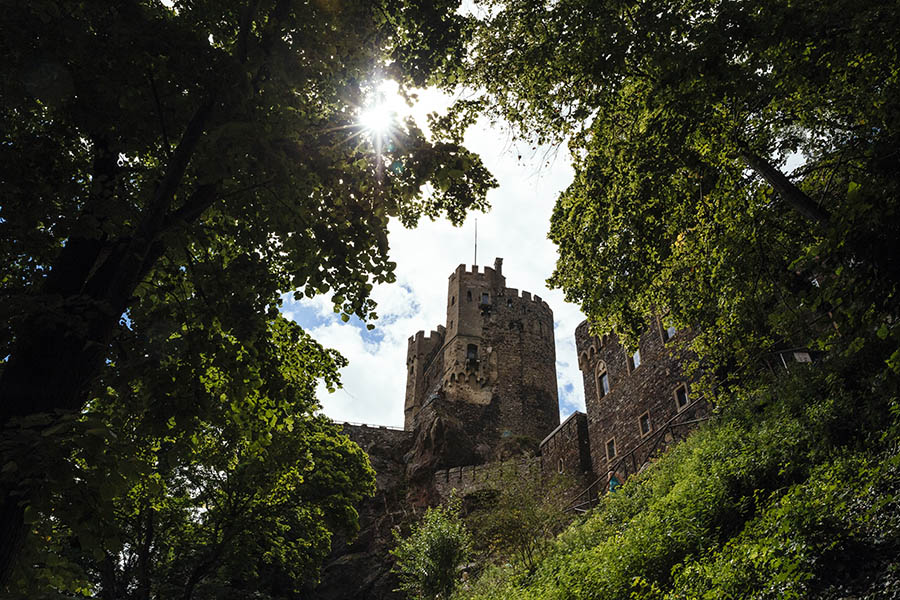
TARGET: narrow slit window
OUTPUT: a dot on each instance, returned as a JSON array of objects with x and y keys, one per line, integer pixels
[
  {"x": 644, "y": 423},
  {"x": 681, "y": 397},
  {"x": 634, "y": 361},
  {"x": 469, "y": 295},
  {"x": 611, "y": 449}
]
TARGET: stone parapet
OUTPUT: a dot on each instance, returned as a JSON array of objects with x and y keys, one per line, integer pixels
[{"x": 472, "y": 478}]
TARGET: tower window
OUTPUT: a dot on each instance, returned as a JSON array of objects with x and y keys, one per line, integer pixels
[
  {"x": 559, "y": 466},
  {"x": 602, "y": 380},
  {"x": 644, "y": 423},
  {"x": 611, "y": 449},
  {"x": 681, "y": 397},
  {"x": 634, "y": 361},
  {"x": 509, "y": 302},
  {"x": 485, "y": 298},
  {"x": 412, "y": 369},
  {"x": 469, "y": 295},
  {"x": 471, "y": 355},
  {"x": 452, "y": 300}
]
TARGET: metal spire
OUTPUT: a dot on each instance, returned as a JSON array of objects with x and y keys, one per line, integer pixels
[{"x": 476, "y": 243}]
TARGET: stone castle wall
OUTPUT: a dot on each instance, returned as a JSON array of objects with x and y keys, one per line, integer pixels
[
  {"x": 567, "y": 450},
  {"x": 497, "y": 350},
  {"x": 421, "y": 353},
  {"x": 641, "y": 399},
  {"x": 472, "y": 478}
]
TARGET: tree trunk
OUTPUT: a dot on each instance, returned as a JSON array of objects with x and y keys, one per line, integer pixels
[
  {"x": 60, "y": 348},
  {"x": 144, "y": 563},
  {"x": 789, "y": 192}
]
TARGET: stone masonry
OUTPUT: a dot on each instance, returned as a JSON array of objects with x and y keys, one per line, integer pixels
[
  {"x": 632, "y": 395},
  {"x": 496, "y": 355}
]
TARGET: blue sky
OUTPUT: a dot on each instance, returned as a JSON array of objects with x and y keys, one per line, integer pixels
[{"x": 514, "y": 229}]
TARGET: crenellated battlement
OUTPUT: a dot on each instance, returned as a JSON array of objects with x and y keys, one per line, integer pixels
[
  {"x": 491, "y": 277},
  {"x": 510, "y": 293},
  {"x": 434, "y": 335},
  {"x": 471, "y": 478}
]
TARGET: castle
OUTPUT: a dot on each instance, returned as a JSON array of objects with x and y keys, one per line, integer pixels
[
  {"x": 497, "y": 350},
  {"x": 481, "y": 401},
  {"x": 497, "y": 353}
]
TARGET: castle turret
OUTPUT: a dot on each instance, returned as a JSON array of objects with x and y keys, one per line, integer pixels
[
  {"x": 497, "y": 352},
  {"x": 420, "y": 354}
]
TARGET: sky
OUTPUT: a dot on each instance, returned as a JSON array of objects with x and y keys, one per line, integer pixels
[{"x": 515, "y": 228}]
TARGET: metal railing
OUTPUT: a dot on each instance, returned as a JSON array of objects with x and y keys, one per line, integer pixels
[
  {"x": 370, "y": 426},
  {"x": 674, "y": 430}
]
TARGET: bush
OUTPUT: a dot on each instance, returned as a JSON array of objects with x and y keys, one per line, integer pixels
[
  {"x": 792, "y": 492},
  {"x": 429, "y": 559}
]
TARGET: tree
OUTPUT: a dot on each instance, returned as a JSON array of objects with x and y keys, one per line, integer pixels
[
  {"x": 207, "y": 504},
  {"x": 429, "y": 559},
  {"x": 680, "y": 119},
  {"x": 524, "y": 513},
  {"x": 157, "y": 155}
]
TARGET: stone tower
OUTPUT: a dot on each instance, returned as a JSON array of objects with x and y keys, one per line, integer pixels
[{"x": 493, "y": 363}]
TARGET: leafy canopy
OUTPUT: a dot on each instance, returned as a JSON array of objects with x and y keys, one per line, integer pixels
[
  {"x": 680, "y": 119},
  {"x": 170, "y": 169}
]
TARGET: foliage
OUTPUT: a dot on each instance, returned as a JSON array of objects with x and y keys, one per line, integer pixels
[
  {"x": 430, "y": 557},
  {"x": 170, "y": 169},
  {"x": 518, "y": 519},
  {"x": 680, "y": 119},
  {"x": 791, "y": 492},
  {"x": 203, "y": 504},
  {"x": 684, "y": 121}
]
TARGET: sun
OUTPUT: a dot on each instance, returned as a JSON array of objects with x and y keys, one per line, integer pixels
[{"x": 378, "y": 117}]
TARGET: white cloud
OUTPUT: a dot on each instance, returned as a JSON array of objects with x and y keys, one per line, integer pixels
[{"x": 515, "y": 229}]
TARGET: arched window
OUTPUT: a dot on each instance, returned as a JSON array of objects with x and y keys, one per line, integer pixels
[
  {"x": 559, "y": 466},
  {"x": 602, "y": 377},
  {"x": 469, "y": 295}
]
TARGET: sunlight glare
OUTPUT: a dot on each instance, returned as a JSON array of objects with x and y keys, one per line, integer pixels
[{"x": 378, "y": 117}]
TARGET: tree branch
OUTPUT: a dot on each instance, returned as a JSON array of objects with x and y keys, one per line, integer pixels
[
  {"x": 159, "y": 112},
  {"x": 790, "y": 193}
]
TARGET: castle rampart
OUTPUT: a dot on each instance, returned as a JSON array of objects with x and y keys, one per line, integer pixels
[
  {"x": 567, "y": 450},
  {"x": 472, "y": 478}
]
